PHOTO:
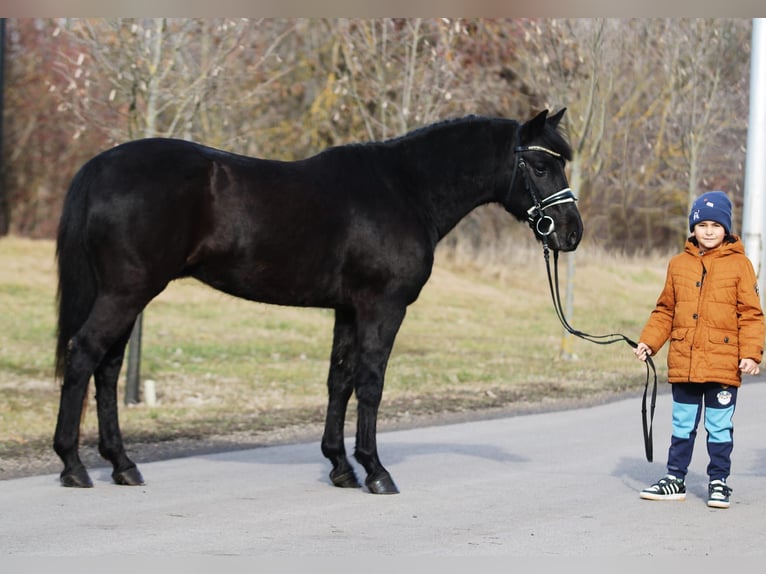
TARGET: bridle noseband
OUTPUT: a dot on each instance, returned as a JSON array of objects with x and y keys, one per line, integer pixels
[{"x": 539, "y": 221}]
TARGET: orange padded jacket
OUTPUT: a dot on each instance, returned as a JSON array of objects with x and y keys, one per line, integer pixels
[{"x": 710, "y": 310}]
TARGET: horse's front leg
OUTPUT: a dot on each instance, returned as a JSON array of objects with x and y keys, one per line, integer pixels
[
  {"x": 376, "y": 338},
  {"x": 340, "y": 386}
]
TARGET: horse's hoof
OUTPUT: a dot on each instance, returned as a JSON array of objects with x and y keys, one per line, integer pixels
[
  {"x": 345, "y": 479},
  {"x": 77, "y": 478},
  {"x": 128, "y": 477},
  {"x": 382, "y": 485}
]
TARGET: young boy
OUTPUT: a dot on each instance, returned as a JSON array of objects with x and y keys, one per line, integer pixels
[{"x": 710, "y": 311}]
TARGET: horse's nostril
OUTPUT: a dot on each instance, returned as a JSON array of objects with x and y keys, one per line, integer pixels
[{"x": 574, "y": 238}]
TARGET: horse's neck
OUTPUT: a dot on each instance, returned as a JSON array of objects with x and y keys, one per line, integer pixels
[
  {"x": 460, "y": 200},
  {"x": 448, "y": 195},
  {"x": 458, "y": 167}
]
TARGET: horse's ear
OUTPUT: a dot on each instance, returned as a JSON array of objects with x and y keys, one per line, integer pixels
[
  {"x": 556, "y": 118},
  {"x": 534, "y": 126},
  {"x": 538, "y": 121}
]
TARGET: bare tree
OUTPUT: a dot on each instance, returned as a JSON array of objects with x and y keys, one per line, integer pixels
[
  {"x": 37, "y": 131},
  {"x": 398, "y": 73},
  {"x": 708, "y": 90},
  {"x": 652, "y": 103},
  {"x": 152, "y": 77}
]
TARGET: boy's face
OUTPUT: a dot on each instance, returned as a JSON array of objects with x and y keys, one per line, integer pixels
[{"x": 709, "y": 234}]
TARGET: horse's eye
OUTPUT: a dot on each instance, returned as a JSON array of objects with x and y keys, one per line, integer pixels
[{"x": 540, "y": 171}]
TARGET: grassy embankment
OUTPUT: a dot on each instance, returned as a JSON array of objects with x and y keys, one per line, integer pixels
[{"x": 478, "y": 337}]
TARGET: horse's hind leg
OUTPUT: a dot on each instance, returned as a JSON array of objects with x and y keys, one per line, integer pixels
[
  {"x": 108, "y": 321},
  {"x": 110, "y": 444},
  {"x": 340, "y": 386},
  {"x": 67, "y": 437}
]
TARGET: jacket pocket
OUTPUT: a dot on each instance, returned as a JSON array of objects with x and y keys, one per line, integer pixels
[
  {"x": 678, "y": 335},
  {"x": 680, "y": 354},
  {"x": 680, "y": 351},
  {"x": 723, "y": 337}
]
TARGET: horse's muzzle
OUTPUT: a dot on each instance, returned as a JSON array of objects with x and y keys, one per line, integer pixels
[{"x": 568, "y": 237}]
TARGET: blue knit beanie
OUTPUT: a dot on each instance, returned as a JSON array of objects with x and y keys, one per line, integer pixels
[{"x": 711, "y": 206}]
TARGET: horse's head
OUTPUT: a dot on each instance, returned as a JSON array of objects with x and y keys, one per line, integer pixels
[{"x": 539, "y": 191}]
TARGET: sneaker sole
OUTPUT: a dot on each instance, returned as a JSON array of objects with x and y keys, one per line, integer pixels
[
  {"x": 652, "y": 496},
  {"x": 718, "y": 504}
]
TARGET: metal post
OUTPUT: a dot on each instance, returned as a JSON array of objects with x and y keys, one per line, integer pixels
[
  {"x": 134, "y": 363},
  {"x": 754, "y": 206},
  {"x": 4, "y": 211}
]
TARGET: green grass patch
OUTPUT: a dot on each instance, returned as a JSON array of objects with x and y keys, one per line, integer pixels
[{"x": 477, "y": 337}]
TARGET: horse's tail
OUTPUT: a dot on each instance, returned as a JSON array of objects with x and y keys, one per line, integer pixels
[{"x": 77, "y": 280}]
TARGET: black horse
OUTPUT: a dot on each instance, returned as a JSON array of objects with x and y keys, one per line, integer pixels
[{"x": 353, "y": 229}]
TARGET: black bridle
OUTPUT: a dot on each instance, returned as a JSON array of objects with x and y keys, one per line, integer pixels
[
  {"x": 544, "y": 225},
  {"x": 539, "y": 221}
]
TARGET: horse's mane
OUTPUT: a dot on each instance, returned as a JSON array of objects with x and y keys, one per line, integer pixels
[
  {"x": 468, "y": 122},
  {"x": 471, "y": 136},
  {"x": 553, "y": 138}
]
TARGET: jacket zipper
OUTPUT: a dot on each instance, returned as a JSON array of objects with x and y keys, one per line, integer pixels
[{"x": 697, "y": 318}]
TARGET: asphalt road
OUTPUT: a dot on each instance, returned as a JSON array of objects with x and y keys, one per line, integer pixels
[{"x": 559, "y": 483}]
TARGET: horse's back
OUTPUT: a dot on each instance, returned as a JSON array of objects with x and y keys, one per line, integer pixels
[
  {"x": 142, "y": 166},
  {"x": 297, "y": 233}
]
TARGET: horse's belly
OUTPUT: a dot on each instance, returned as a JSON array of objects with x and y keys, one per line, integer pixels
[{"x": 283, "y": 285}]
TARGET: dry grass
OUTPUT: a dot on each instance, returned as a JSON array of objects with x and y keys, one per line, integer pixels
[{"x": 481, "y": 335}]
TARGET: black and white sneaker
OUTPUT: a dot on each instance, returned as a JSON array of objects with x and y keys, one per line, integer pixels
[
  {"x": 718, "y": 494},
  {"x": 667, "y": 488}
]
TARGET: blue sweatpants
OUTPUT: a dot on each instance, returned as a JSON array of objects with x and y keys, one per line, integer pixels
[{"x": 719, "y": 402}]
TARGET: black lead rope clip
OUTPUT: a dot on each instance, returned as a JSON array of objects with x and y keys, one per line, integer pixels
[{"x": 605, "y": 340}]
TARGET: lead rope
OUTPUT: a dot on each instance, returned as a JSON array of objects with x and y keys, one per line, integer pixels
[{"x": 605, "y": 340}]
